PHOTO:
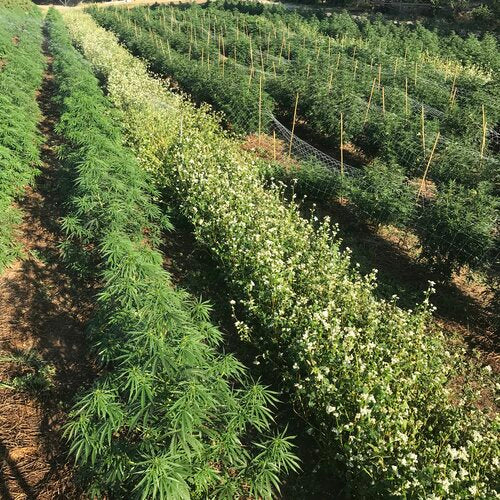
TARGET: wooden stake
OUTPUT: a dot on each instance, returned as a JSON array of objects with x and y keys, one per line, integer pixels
[
  {"x": 369, "y": 101},
  {"x": 422, "y": 184},
  {"x": 293, "y": 125}
]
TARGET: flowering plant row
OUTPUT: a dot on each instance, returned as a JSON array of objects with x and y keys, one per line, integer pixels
[
  {"x": 374, "y": 380},
  {"x": 21, "y": 70},
  {"x": 170, "y": 416}
]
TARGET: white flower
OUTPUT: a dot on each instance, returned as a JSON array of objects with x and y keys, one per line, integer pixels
[
  {"x": 330, "y": 409},
  {"x": 446, "y": 483}
]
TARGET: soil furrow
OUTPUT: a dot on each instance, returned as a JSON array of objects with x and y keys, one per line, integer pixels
[{"x": 43, "y": 310}]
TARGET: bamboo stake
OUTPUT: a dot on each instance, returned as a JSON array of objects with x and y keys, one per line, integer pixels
[
  {"x": 268, "y": 46},
  {"x": 260, "y": 107},
  {"x": 396, "y": 66},
  {"x": 338, "y": 61},
  {"x": 453, "y": 97},
  {"x": 355, "y": 69},
  {"x": 483, "y": 139},
  {"x": 251, "y": 54},
  {"x": 452, "y": 91},
  {"x": 416, "y": 70},
  {"x": 383, "y": 100},
  {"x": 379, "y": 75},
  {"x": 218, "y": 50},
  {"x": 422, "y": 184},
  {"x": 330, "y": 82},
  {"x": 369, "y": 101},
  {"x": 281, "y": 49},
  {"x": 293, "y": 125},
  {"x": 406, "y": 96},
  {"x": 342, "y": 144},
  {"x": 422, "y": 120}
]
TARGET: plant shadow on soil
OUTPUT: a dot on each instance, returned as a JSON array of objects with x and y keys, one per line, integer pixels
[{"x": 43, "y": 311}]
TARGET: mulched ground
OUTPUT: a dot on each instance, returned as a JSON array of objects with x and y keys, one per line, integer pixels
[{"x": 42, "y": 309}]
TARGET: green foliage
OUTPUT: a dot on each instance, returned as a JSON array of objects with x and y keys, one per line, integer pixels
[
  {"x": 37, "y": 375},
  {"x": 375, "y": 382},
  {"x": 383, "y": 193},
  {"x": 230, "y": 94},
  {"x": 21, "y": 69},
  {"x": 331, "y": 65},
  {"x": 459, "y": 225},
  {"x": 170, "y": 417}
]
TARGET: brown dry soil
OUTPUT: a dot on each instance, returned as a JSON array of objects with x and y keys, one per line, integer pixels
[{"x": 43, "y": 309}]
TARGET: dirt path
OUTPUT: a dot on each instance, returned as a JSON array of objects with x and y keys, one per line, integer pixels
[{"x": 42, "y": 314}]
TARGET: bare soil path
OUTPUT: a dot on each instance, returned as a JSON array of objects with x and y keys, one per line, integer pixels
[{"x": 43, "y": 310}]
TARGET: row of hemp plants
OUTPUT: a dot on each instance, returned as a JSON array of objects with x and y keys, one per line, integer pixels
[
  {"x": 227, "y": 92},
  {"x": 456, "y": 226},
  {"x": 375, "y": 381},
  {"x": 21, "y": 70},
  {"x": 472, "y": 53},
  {"x": 170, "y": 416}
]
